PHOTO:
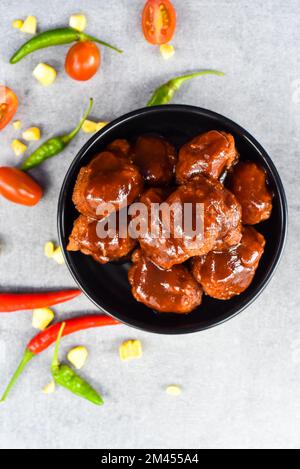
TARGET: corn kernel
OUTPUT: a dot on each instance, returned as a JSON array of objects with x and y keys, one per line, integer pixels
[
  {"x": 90, "y": 127},
  {"x": 17, "y": 24},
  {"x": 53, "y": 252},
  {"x": 45, "y": 74},
  {"x": 57, "y": 256},
  {"x": 78, "y": 22},
  {"x": 49, "y": 388},
  {"x": 30, "y": 25},
  {"x": 18, "y": 147},
  {"x": 31, "y": 135},
  {"x": 49, "y": 249},
  {"x": 132, "y": 349},
  {"x": 78, "y": 356},
  {"x": 41, "y": 318},
  {"x": 174, "y": 390},
  {"x": 17, "y": 125},
  {"x": 167, "y": 51}
]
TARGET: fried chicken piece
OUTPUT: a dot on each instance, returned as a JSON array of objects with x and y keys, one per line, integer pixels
[
  {"x": 164, "y": 251},
  {"x": 175, "y": 241},
  {"x": 221, "y": 216},
  {"x": 156, "y": 159},
  {"x": 248, "y": 182},
  {"x": 108, "y": 179},
  {"x": 226, "y": 273},
  {"x": 166, "y": 291},
  {"x": 209, "y": 154},
  {"x": 120, "y": 147},
  {"x": 87, "y": 238}
]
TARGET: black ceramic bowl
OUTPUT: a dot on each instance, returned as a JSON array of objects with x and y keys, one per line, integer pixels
[{"x": 107, "y": 286}]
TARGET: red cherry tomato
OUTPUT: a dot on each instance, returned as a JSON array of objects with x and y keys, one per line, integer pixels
[
  {"x": 83, "y": 61},
  {"x": 159, "y": 21},
  {"x": 19, "y": 187},
  {"x": 8, "y": 105}
]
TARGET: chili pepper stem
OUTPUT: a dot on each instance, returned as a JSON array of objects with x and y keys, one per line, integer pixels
[
  {"x": 103, "y": 43},
  {"x": 25, "y": 360},
  {"x": 67, "y": 138},
  {"x": 165, "y": 93},
  {"x": 53, "y": 146},
  {"x": 177, "y": 82}
]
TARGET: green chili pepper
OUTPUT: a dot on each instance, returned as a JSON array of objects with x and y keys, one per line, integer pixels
[
  {"x": 55, "y": 37},
  {"x": 68, "y": 379},
  {"x": 54, "y": 146},
  {"x": 165, "y": 93}
]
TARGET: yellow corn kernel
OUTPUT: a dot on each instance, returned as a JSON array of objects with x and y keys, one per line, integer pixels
[
  {"x": 17, "y": 125},
  {"x": 30, "y": 25},
  {"x": 131, "y": 349},
  {"x": 167, "y": 51},
  {"x": 17, "y": 24},
  {"x": 49, "y": 388},
  {"x": 49, "y": 249},
  {"x": 90, "y": 127},
  {"x": 57, "y": 256},
  {"x": 18, "y": 147},
  {"x": 45, "y": 74},
  {"x": 32, "y": 134},
  {"x": 78, "y": 22},
  {"x": 53, "y": 252},
  {"x": 174, "y": 390},
  {"x": 41, "y": 318},
  {"x": 78, "y": 356}
]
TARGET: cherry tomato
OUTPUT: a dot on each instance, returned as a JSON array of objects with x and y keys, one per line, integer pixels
[
  {"x": 159, "y": 21},
  {"x": 8, "y": 105},
  {"x": 83, "y": 61},
  {"x": 19, "y": 187}
]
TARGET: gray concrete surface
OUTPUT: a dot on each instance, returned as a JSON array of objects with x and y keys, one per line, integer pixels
[{"x": 241, "y": 380}]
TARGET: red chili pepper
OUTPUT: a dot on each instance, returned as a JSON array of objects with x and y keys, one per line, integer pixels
[
  {"x": 10, "y": 302},
  {"x": 44, "y": 339}
]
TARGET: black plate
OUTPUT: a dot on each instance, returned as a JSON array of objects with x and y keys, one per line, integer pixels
[{"x": 107, "y": 286}]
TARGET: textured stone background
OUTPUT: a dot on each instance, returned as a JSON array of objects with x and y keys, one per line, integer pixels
[{"x": 241, "y": 380}]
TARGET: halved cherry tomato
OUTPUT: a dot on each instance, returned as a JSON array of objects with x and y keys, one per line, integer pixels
[
  {"x": 83, "y": 61},
  {"x": 159, "y": 21},
  {"x": 19, "y": 187},
  {"x": 8, "y": 105}
]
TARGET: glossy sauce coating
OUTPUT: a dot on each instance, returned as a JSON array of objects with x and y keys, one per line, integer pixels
[
  {"x": 226, "y": 273},
  {"x": 248, "y": 182},
  {"x": 166, "y": 291},
  {"x": 120, "y": 147},
  {"x": 156, "y": 159},
  {"x": 108, "y": 179},
  {"x": 209, "y": 154},
  {"x": 225, "y": 255},
  {"x": 86, "y": 238},
  {"x": 220, "y": 220},
  {"x": 162, "y": 250},
  {"x": 221, "y": 215}
]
